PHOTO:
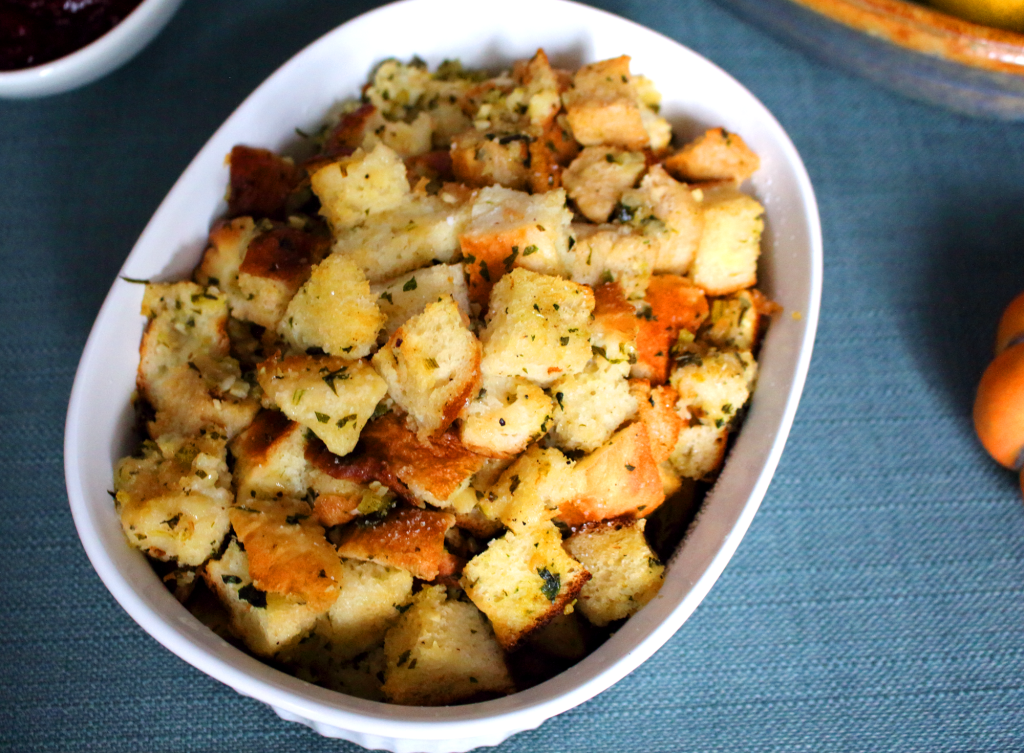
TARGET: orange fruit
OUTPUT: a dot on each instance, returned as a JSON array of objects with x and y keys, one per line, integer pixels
[
  {"x": 999, "y": 407},
  {"x": 1011, "y": 326}
]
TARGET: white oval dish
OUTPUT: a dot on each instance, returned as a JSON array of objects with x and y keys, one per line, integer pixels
[
  {"x": 696, "y": 95},
  {"x": 96, "y": 59}
]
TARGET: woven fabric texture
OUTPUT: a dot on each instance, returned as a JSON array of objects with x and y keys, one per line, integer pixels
[{"x": 877, "y": 602}]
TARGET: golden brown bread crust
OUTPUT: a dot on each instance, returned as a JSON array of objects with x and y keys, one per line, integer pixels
[
  {"x": 261, "y": 182},
  {"x": 408, "y": 538},
  {"x": 285, "y": 254},
  {"x": 715, "y": 155},
  {"x": 675, "y": 304},
  {"x": 657, "y": 409}
]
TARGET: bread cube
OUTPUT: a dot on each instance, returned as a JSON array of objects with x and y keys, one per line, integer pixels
[
  {"x": 511, "y": 229},
  {"x": 602, "y": 106},
  {"x": 714, "y": 155},
  {"x": 269, "y": 458},
  {"x": 614, "y": 329},
  {"x": 260, "y": 182},
  {"x": 726, "y": 258},
  {"x": 538, "y": 326},
  {"x": 335, "y": 311},
  {"x": 407, "y": 538},
  {"x": 542, "y": 86},
  {"x": 397, "y": 87},
  {"x": 591, "y": 404},
  {"x": 288, "y": 551},
  {"x": 597, "y": 178},
  {"x": 432, "y": 366},
  {"x": 619, "y": 478},
  {"x": 531, "y": 490},
  {"x": 441, "y": 652},
  {"x": 550, "y": 154},
  {"x": 699, "y": 451},
  {"x": 625, "y": 573},
  {"x": 173, "y": 497},
  {"x": 672, "y": 304},
  {"x": 713, "y": 385},
  {"x": 225, "y": 249},
  {"x": 357, "y": 187},
  {"x": 266, "y": 622},
  {"x": 562, "y": 638},
  {"x": 443, "y": 98},
  {"x": 522, "y": 580},
  {"x": 185, "y": 368},
  {"x": 657, "y": 409},
  {"x": 668, "y": 213},
  {"x": 407, "y": 295},
  {"x": 609, "y": 253},
  {"x": 420, "y": 231},
  {"x": 505, "y": 416},
  {"x": 360, "y": 677},
  {"x": 333, "y": 397},
  {"x": 491, "y": 159},
  {"x": 734, "y": 322}
]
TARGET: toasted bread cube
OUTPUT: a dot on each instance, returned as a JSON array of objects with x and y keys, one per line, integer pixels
[
  {"x": 668, "y": 213},
  {"x": 505, "y": 416},
  {"x": 531, "y": 490},
  {"x": 332, "y": 397},
  {"x": 288, "y": 551},
  {"x": 734, "y": 322},
  {"x": 361, "y": 677},
  {"x": 226, "y": 247},
  {"x": 699, "y": 451},
  {"x": 432, "y": 366},
  {"x": 407, "y": 538},
  {"x": 416, "y": 233},
  {"x": 397, "y": 87},
  {"x": 591, "y": 404},
  {"x": 357, "y": 187},
  {"x": 266, "y": 622},
  {"x": 173, "y": 499},
  {"x": 602, "y": 106},
  {"x": 538, "y": 326},
  {"x": 672, "y": 304},
  {"x": 619, "y": 478},
  {"x": 713, "y": 385},
  {"x": 335, "y": 310},
  {"x": 483, "y": 160},
  {"x": 657, "y": 409},
  {"x": 405, "y": 139},
  {"x": 625, "y": 573},
  {"x": 260, "y": 182},
  {"x": 442, "y": 652},
  {"x": 597, "y": 178},
  {"x": 609, "y": 253},
  {"x": 514, "y": 229},
  {"x": 405, "y": 296},
  {"x": 714, "y": 155},
  {"x": 614, "y": 330},
  {"x": 185, "y": 368},
  {"x": 442, "y": 99},
  {"x": 270, "y": 458},
  {"x": 726, "y": 258},
  {"x": 522, "y": 581}
]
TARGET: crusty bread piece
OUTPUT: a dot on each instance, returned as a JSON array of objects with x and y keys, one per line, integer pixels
[
  {"x": 734, "y": 322},
  {"x": 223, "y": 256},
  {"x": 672, "y": 304},
  {"x": 612, "y": 253},
  {"x": 287, "y": 550},
  {"x": 538, "y": 326},
  {"x": 668, "y": 213},
  {"x": 505, "y": 416},
  {"x": 357, "y": 187},
  {"x": 269, "y": 458},
  {"x": 726, "y": 258},
  {"x": 619, "y": 478},
  {"x": 491, "y": 159},
  {"x": 407, "y": 295},
  {"x": 406, "y": 139},
  {"x": 699, "y": 451},
  {"x": 543, "y": 85},
  {"x": 713, "y": 385},
  {"x": 511, "y": 229},
  {"x": 522, "y": 580},
  {"x": 716, "y": 154},
  {"x": 173, "y": 497},
  {"x": 185, "y": 368},
  {"x": 407, "y": 538},
  {"x": 443, "y": 98},
  {"x": 597, "y": 178},
  {"x": 614, "y": 329},
  {"x": 441, "y": 652},
  {"x": 335, "y": 311},
  {"x": 562, "y": 637},
  {"x": 625, "y": 573},
  {"x": 360, "y": 677},
  {"x": 396, "y": 88},
  {"x": 260, "y": 182},
  {"x": 602, "y": 106},
  {"x": 591, "y": 404},
  {"x": 657, "y": 409},
  {"x": 531, "y": 490},
  {"x": 432, "y": 366},
  {"x": 333, "y": 397},
  {"x": 266, "y": 622}
]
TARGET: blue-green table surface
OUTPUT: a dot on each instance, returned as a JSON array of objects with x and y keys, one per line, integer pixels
[{"x": 877, "y": 602}]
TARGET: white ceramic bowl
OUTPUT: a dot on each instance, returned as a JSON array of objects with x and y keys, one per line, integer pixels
[
  {"x": 696, "y": 95},
  {"x": 96, "y": 59}
]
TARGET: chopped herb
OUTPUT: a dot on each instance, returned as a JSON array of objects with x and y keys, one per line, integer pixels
[
  {"x": 403, "y": 608},
  {"x": 511, "y": 258},
  {"x": 556, "y": 306},
  {"x": 623, "y": 213},
  {"x": 719, "y": 423},
  {"x": 297, "y": 396},
  {"x": 253, "y": 595},
  {"x": 330, "y": 377},
  {"x": 531, "y": 249},
  {"x": 346, "y": 419},
  {"x": 201, "y": 473},
  {"x": 485, "y": 272},
  {"x": 513, "y": 485},
  {"x": 404, "y": 657},
  {"x": 380, "y": 410},
  {"x": 564, "y": 340},
  {"x": 387, "y": 297},
  {"x": 597, "y": 350},
  {"x": 172, "y": 522},
  {"x": 410, "y": 285},
  {"x": 293, "y": 520},
  {"x": 558, "y": 397},
  {"x": 607, "y": 276},
  {"x": 135, "y": 280},
  {"x": 536, "y": 308},
  {"x": 630, "y": 468},
  {"x": 432, "y": 363},
  {"x": 322, "y": 417},
  {"x": 412, "y": 664},
  {"x": 233, "y": 580},
  {"x": 552, "y": 583}
]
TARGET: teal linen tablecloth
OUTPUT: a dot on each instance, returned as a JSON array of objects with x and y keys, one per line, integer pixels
[{"x": 877, "y": 602}]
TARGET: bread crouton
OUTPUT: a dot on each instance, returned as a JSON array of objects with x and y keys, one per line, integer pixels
[
  {"x": 531, "y": 490},
  {"x": 396, "y": 88},
  {"x": 333, "y": 397},
  {"x": 610, "y": 253},
  {"x": 538, "y": 326},
  {"x": 416, "y": 233},
  {"x": 266, "y": 622},
  {"x": 224, "y": 252},
  {"x": 514, "y": 229},
  {"x": 260, "y": 182},
  {"x": 602, "y": 106},
  {"x": 714, "y": 155},
  {"x": 505, "y": 416},
  {"x": 185, "y": 370},
  {"x": 668, "y": 213},
  {"x": 357, "y": 187},
  {"x": 407, "y": 538},
  {"x": 405, "y": 296},
  {"x": 625, "y": 573},
  {"x": 432, "y": 366},
  {"x": 173, "y": 498},
  {"x": 441, "y": 652},
  {"x": 522, "y": 580},
  {"x": 657, "y": 409},
  {"x": 735, "y": 322},
  {"x": 543, "y": 86},
  {"x": 713, "y": 385},
  {"x": 591, "y": 404},
  {"x": 614, "y": 329},
  {"x": 491, "y": 159},
  {"x": 699, "y": 451},
  {"x": 597, "y": 178},
  {"x": 672, "y": 304},
  {"x": 269, "y": 458},
  {"x": 726, "y": 258},
  {"x": 619, "y": 478},
  {"x": 360, "y": 677}
]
